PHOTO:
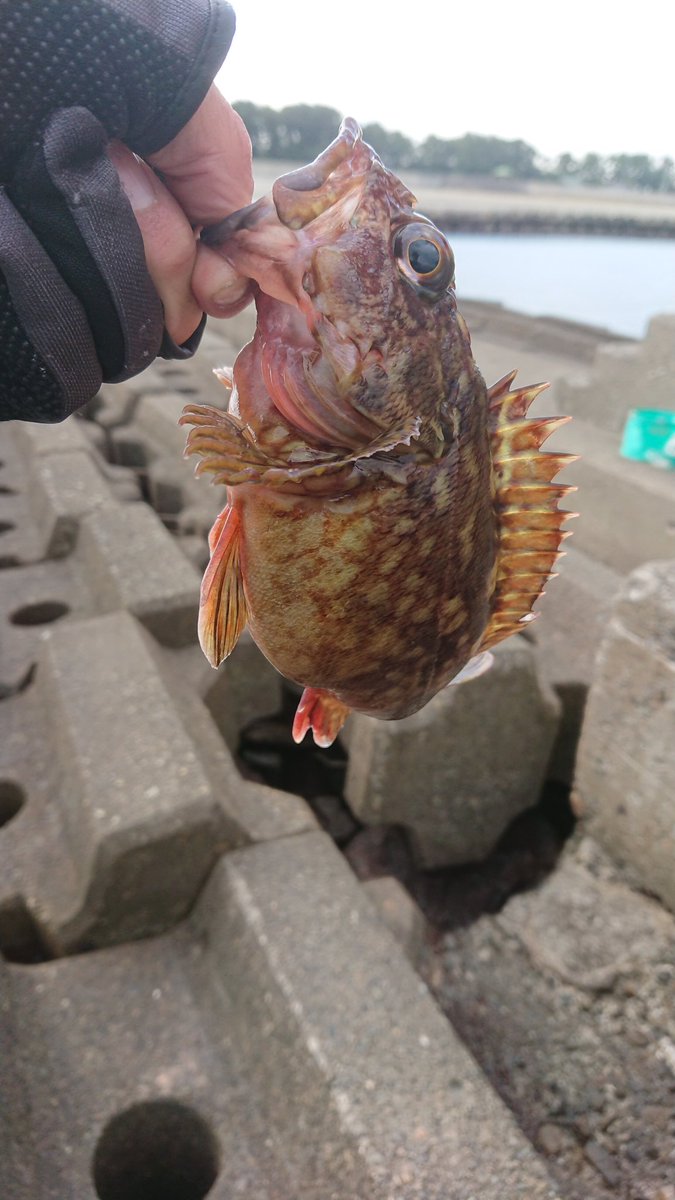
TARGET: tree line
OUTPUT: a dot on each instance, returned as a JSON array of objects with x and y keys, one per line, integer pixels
[{"x": 301, "y": 131}]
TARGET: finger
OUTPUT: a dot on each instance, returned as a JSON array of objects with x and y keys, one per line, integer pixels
[
  {"x": 219, "y": 290},
  {"x": 207, "y": 166},
  {"x": 168, "y": 241}
]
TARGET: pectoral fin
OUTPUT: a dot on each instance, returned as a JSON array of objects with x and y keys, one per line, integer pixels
[
  {"x": 222, "y": 604},
  {"x": 321, "y": 712}
]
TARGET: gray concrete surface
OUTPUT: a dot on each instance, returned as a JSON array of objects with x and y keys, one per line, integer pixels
[
  {"x": 277, "y": 1046},
  {"x": 625, "y": 376},
  {"x": 129, "y": 797},
  {"x": 456, "y": 773},
  {"x": 626, "y": 762}
]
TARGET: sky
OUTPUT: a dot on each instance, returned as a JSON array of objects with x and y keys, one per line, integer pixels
[{"x": 577, "y": 76}]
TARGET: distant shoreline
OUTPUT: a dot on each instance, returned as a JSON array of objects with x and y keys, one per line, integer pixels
[
  {"x": 472, "y": 205},
  {"x": 580, "y": 224}
]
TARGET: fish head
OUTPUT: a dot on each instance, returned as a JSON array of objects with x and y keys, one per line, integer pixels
[{"x": 356, "y": 305}]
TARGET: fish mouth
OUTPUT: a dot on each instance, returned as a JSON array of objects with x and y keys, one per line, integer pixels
[{"x": 337, "y": 175}]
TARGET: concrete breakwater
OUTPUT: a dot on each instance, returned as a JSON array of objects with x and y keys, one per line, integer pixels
[
  {"x": 526, "y": 222},
  {"x": 470, "y": 204}
]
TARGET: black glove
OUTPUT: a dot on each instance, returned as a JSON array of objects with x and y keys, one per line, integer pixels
[{"x": 77, "y": 305}]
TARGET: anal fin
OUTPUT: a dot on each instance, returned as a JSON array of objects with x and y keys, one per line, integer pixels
[
  {"x": 222, "y": 604},
  {"x": 321, "y": 712}
]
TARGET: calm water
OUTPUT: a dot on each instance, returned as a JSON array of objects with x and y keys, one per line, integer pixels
[{"x": 618, "y": 283}]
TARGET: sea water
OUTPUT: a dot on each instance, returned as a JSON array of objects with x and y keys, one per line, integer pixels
[{"x": 616, "y": 283}]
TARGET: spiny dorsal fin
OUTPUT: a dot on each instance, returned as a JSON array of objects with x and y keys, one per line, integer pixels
[{"x": 526, "y": 500}]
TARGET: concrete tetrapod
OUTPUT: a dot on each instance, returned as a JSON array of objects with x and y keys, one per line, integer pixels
[{"x": 277, "y": 1046}]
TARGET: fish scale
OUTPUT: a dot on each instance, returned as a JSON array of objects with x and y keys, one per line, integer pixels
[{"x": 388, "y": 518}]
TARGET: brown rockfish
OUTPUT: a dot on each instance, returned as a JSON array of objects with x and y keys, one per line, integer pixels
[{"x": 388, "y": 518}]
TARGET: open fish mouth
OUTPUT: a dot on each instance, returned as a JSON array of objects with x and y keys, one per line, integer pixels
[{"x": 337, "y": 176}]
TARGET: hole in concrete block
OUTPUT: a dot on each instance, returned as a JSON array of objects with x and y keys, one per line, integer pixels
[
  {"x": 12, "y": 800},
  {"x": 159, "y": 1150},
  {"x": 5, "y": 526},
  {"x": 6, "y": 491},
  {"x": 41, "y": 613},
  {"x": 21, "y": 939}
]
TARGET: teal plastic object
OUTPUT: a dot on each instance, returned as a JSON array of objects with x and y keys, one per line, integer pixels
[{"x": 649, "y": 436}]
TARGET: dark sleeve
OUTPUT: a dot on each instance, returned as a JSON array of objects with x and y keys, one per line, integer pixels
[{"x": 77, "y": 305}]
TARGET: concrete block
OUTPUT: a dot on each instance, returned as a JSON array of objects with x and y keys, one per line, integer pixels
[
  {"x": 565, "y": 1000},
  {"x": 245, "y": 688},
  {"x": 132, "y": 562},
  {"x": 660, "y": 344},
  {"x": 398, "y": 1108},
  {"x": 32, "y": 599},
  {"x": 457, "y": 773},
  {"x": 156, "y": 422},
  {"x": 17, "y": 1149},
  {"x": 20, "y": 540},
  {"x": 123, "y": 482},
  {"x": 627, "y": 508},
  {"x": 165, "y": 488},
  {"x": 626, "y": 762},
  {"x": 130, "y": 782},
  {"x": 114, "y": 403},
  {"x": 572, "y": 619},
  {"x": 277, "y": 1046},
  {"x": 126, "y": 794},
  {"x": 63, "y": 489},
  {"x": 35, "y": 440},
  {"x": 127, "y": 448},
  {"x": 399, "y": 912},
  {"x": 604, "y": 394},
  {"x": 625, "y": 376},
  {"x": 573, "y": 616}
]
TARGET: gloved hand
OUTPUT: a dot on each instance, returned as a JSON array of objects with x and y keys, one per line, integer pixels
[{"x": 78, "y": 304}]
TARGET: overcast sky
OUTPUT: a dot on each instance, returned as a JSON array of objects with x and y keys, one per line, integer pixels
[{"x": 575, "y": 76}]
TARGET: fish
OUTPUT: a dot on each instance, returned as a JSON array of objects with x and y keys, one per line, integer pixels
[{"x": 389, "y": 518}]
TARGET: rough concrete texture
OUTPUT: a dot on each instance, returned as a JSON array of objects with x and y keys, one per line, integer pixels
[
  {"x": 245, "y": 688},
  {"x": 572, "y": 619},
  {"x": 401, "y": 915},
  {"x": 626, "y": 761},
  {"x": 565, "y": 1000},
  {"x": 480, "y": 749},
  {"x": 129, "y": 792},
  {"x": 627, "y": 509},
  {"x": 132, "y": 563},
  {"x": 277, "y": 1046},
  {"x": 625, "y": 376},
  {"x": 63, "y": 489}
]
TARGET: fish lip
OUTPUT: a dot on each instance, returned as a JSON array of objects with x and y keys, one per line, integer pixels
[
  {"x": 314, "y": 174},
  {"x": 244, "y": 218},
  {"x": 300, "y": 196},
  {"x": 340, "y": 171}
]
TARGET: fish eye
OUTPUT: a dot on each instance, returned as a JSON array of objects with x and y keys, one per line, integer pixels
[{"x": 424, "y": 258}]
